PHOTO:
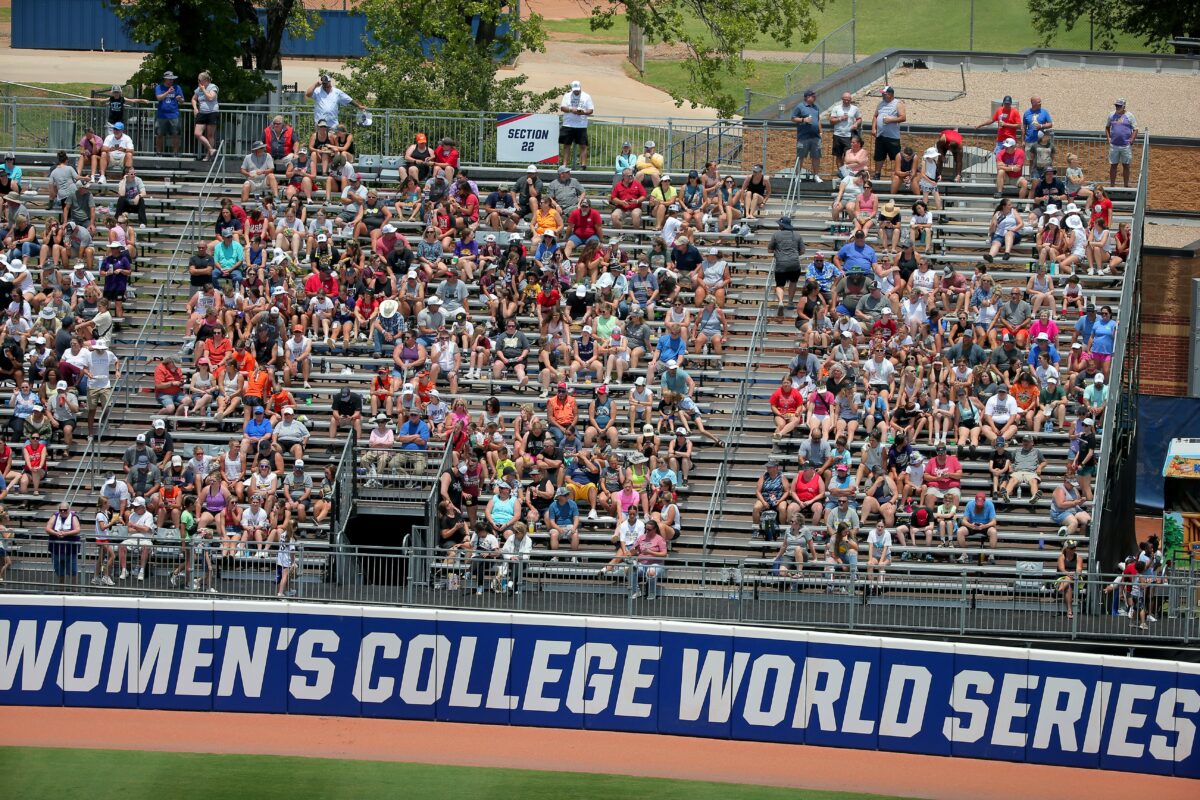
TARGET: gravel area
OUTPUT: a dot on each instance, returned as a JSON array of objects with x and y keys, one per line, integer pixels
[
  {"x": 1171, "y": 235},
  {"x": 1077, "y": 99}
]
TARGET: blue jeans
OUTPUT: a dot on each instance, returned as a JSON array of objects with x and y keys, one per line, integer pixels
[
  {"x": 25, "y": 251},
  {"x": 651, "y": 572},
  {"x": 234, "y": 275},
  {"x": 381, "y": 343}
]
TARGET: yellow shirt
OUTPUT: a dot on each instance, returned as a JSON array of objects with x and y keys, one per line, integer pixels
[
  {"x": 548, "y": 220},
  {"x": 667, "y": 197},
  {"x": 650, "y": 162}
]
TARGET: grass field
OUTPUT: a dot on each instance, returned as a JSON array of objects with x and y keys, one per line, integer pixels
[
  {"x": 999, "y": 25},
  {"x": 34, "y": 773}
]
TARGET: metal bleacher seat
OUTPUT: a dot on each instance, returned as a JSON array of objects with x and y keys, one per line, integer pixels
[{"x": 390, "y": 168}]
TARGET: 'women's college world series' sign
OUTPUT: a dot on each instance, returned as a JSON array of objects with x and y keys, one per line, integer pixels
[
  {"x": 527, "y": 138},
  {"x": 728, "y": 682}
]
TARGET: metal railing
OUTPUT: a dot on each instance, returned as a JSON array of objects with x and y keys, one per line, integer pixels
[
  {"x": 41, "y": 124},
  {"x": 955, "y": 602},
  {"x": 1120, "y": 413},
  {"x": 716, "y": 505},
  {"x": 87, "y": 464}
]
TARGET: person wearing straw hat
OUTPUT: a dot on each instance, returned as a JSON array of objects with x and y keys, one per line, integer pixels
[
  {"x": 387, "y": 326},
  {"x": 259, "y": 169},
  {"x": 166, "y": 113}
]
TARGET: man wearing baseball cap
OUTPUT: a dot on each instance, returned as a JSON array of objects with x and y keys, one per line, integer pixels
[
  {"x": 166, "y": 112},
  {"x": 979, "y": 520},
  {"x": 885, "y": 127},
  {"x": 1007, "y": 120},
  {"x": 1121, "y": 130},
  {"x": 1010, "y": 163},
  {"x": 807, "y": 118},
  {"x": 576, "y": 108}
]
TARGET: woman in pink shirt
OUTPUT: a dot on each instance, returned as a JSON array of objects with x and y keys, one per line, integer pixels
[
  {"x": 1044, "y": 323},
  {"x": 650, "y": 550},
  {"x": 866, "y": 210},
  {"x": 629, "y": 497}
]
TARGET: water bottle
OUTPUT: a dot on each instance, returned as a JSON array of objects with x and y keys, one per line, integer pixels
[
  {"x": 1047, "y": 427},
  {"x": 452, "y": 582},
  {"x": 504, "y": 584}
]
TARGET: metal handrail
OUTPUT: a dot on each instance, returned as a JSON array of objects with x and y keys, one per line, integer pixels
[
  {"x": 1117, "y": 417},
  {"x": 125, "y": 380},
  {"x": 953, "y": 602},
  {"x": 716, "y": 505}
]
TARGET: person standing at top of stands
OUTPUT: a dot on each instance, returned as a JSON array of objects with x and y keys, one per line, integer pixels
[
  {"x": 649, "y": 165},
  {"x": 846, "y": 119},
  {"x": 1037, "y": 121},
  {"x": 328, "y": 100},
  {"x": 206, "y": 113},
  {"x": 576, "y": 108},
  {"x": 114, "y": 105},
  {"x": 807, "y": 118},
  {"x": 1008, "y": 122},
  {"x": 885, "y": 126},
  {"x": 1121, "y": 130},
  {"x": 166, "y": 113}
]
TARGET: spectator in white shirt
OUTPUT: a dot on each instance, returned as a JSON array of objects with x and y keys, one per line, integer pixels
[
  {"x": 141, "y": 535},
  {"x": 576, "y": 107},
  {"x": 117, "y": 150},
  {"x": 328, "y": 100},
  {"x": 1000, "y": 416}
]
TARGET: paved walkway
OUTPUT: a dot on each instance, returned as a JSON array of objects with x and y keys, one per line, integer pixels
[{"x": 599, "y": 67}]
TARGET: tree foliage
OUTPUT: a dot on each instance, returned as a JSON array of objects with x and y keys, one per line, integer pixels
[
  {"x": 445, "y": 54},
  {"x": 714, "y": 47},
  {"x": 221, "y": 36},
  {"x": 1155, "y": 22}
]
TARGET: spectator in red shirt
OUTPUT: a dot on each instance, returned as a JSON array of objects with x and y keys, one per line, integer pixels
[
  {"x": 1010, "y": 163},
  {"x": 943, "y": 478},
  {"x": 785, "y": 405},
  {"x": 1101, "y": 207},
  {"x": 584, "y": 225},
  {"x": 168, "y": 386},
  {"x": 321, "y": 279},
  {"x": 1008, "y": 122},
  {"x": 445, "y": 160},
  {"x": 627, "y": 197},
  {"x": 951, "y": 141}
]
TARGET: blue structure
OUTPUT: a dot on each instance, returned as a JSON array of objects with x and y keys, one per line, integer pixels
[
  {"x": 688, "y": 679},
  {"x": 38, "y": 25}
]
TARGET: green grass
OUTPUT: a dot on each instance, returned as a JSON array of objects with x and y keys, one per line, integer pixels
[
  {"x": 34, "y": 773},
  {"x": 673, "y": 75},
  {"x": 999, "y": 25}
]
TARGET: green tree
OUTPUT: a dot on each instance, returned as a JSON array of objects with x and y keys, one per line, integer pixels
[
  {"x": 714, "y": 47},
  {"x": 1154, "y": 21},
  {"x": 221, "y": 36},
  {"x": 425, "y": 55}
]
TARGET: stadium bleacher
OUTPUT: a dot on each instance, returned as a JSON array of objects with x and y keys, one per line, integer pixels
[{"x": 177, "y": 192}]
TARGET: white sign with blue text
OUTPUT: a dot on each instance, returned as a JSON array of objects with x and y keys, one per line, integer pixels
[
  {"x": 743, "y": 683},
  {"x": 527, "y": 138}
]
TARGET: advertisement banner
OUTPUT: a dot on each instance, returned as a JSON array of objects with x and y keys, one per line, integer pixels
[
  {"x": 527, "y": 138},
  {"x": 745, "y": 683}
]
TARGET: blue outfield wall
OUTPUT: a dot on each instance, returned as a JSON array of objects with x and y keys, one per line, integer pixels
[
  {"x": 92, "y": 25},
  {"x": 38, "y": 25},
  {"x": 753, "y": 684}
]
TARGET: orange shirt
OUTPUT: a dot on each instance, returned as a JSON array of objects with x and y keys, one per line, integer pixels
[
  {"x": 216, "y": 353},
  {"x": 258, "y": 384},
  {"x": 245, "y": 361},
  {"x": 1025, "y": 396},
  {"x": 281, "y": 400},
  {"x": 565, "y": 412}
]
